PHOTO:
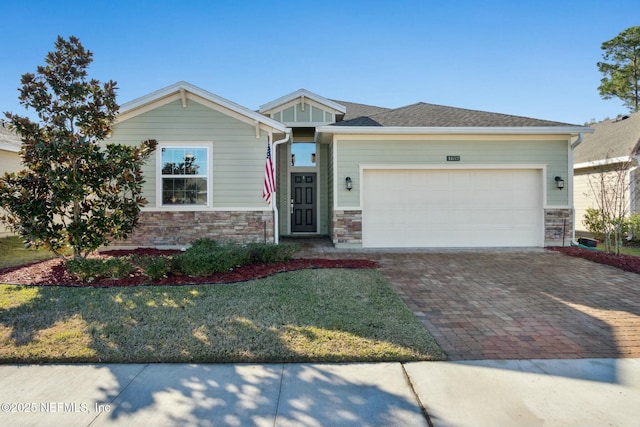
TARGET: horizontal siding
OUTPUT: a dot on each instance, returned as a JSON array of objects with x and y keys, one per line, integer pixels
[
  {"x": 585, "y": 194},
  {"x": 9, "y": 162},
  {"x": 237, "y": 156},
  {"x": 351, "y": 154},
  {"x": 310, "y": 114},
  {"x": 282, "y": 189},
  {"x": 323, "y": 187},
  {"x": 582, "y": 198}
]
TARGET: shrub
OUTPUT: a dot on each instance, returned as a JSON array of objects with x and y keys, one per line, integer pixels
[
  {"x": 155, "y": 267},
  {"x": 634, "y": 226},
  {"x": 204, "y": 259},
  {"x": 90, "y": 269},
  {"x": 266, "y": 253},
  {"x": 207, "y": 257},
  {"x": 596, "y": 224},
  {"x": 593, "y": 222},
  {"x": 204, "y": 245}
]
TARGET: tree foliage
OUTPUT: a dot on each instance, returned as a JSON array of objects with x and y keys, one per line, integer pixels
[
  {"x": 621, "y": 68},
  {"x": 75, "y": 190},
  {"x": 610, "y": 186}
]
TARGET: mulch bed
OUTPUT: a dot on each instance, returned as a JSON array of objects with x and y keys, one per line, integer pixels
[
  {"x": 624, "y": 262},
  {"x": 54, "y": 273}
]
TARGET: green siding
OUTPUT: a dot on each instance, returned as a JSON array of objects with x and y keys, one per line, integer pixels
[
  {"x": 238, "y": 156},
  {"x": 351, "y": 154},
  {"x": 282, "y": 184},
  {"x": 317, "y": 115},
  {"x": 323, "y": 188},
  {"x": 303, "y": 116},
  {"x": 330, "y": 196},
  {"x": 295, "y": 114},
  {"x": 288, "y": 115}
]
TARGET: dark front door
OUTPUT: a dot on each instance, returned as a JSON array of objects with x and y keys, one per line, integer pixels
[{"x": 303, "y": 203}]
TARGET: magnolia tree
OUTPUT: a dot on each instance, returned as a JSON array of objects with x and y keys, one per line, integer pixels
[{"x": 75, "y": 190}]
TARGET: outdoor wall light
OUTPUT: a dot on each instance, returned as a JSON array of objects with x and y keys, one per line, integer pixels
[
  {"x": 559, "y": 183},
  {"x": 349, "y": 183}
]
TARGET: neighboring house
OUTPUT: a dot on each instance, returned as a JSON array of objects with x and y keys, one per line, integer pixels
[
  {"x": 418, "y": 176},
  {"x": 9, "y": 158},
  {"x": 615, "y": 144}
]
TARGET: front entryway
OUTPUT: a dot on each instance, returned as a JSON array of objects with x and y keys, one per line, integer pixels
[{"x": 303, "y": 203}]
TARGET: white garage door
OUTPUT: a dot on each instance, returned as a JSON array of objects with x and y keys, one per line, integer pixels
[{"x": 452, "y": 208}]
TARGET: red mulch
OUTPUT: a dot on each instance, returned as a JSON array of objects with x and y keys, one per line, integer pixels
[
  {"x": 624, "y": 262},
  {"x": 53, "y": 272}
]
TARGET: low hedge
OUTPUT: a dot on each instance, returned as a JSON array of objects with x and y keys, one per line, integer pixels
[{"x": 203, "y": 258}]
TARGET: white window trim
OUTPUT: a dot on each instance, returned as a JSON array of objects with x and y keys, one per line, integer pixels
[{"x": 208, "y": 145}]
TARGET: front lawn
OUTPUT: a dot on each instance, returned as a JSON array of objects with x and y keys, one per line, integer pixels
[
  {"x": 321, "y": 315},
  {"x": 13, "y": 252}
]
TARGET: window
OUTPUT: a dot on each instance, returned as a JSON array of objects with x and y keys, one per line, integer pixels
[
  {"x": 303, "y": 154},
  {"x": 184, "y": 175}
]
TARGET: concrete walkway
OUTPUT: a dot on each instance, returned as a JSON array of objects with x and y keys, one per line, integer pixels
[{"x": 586, "y": 392}]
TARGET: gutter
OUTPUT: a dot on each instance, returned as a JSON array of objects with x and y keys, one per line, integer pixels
[
  {"x": 274, "y": 200},
  {"x": 401, "y": 130}
]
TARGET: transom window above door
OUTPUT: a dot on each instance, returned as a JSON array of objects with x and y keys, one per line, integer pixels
[
  {"x": 303, "y": 154},
  {"x": 184, "y": 175}
]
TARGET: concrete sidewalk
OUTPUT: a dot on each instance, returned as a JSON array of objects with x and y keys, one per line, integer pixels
[{"x": 584, "y": 392}]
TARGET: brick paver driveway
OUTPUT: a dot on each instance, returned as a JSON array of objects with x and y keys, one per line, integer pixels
[{"x": 518, "y": 305}]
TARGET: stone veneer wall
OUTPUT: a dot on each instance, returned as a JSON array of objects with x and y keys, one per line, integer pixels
[
  {"x": 554, "y": 221},
  {"x": 158, "y": 229},
  {"x": 347, "y": 228}
]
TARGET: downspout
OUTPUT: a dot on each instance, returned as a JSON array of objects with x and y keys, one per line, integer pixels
[
  {"x": 274, "y": 202},
  {"x": 574, "y": 144},
  {"x": 577, "y": 142}
]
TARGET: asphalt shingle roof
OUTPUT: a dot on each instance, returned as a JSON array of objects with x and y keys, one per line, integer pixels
[
  {"x": 430, "y": 115},
  {"x": 355, "y": 110},
  {"x": 610, "y": 139}
]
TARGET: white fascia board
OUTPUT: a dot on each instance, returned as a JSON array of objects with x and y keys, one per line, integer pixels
[
  {"x": 302, "y": 92},
  {"x": 402, "y": 130},
  {"x": 10, "y": 147},
  {"x": 175, "y": 88},
  {"x": 603, "y": 162}
]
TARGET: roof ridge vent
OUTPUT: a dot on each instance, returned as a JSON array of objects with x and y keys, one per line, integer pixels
[{"x": 621, "y": 118}]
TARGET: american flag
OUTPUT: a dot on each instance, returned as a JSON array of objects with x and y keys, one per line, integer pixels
[{"x": 269, "y": 185}]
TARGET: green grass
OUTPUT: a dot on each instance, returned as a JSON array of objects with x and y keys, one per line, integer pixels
[
  {"x": 626, "y": 250},
  {"x": 304, "y": 316},
  {"x": 13, "y": 253}
]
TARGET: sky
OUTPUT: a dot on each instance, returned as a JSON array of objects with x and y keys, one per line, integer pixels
[{"x": 530, "y": 58}]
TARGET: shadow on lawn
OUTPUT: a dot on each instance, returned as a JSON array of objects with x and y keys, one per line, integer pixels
[
  {"x": 289, "y": 318},
  {"x": 240, "y": 394}
]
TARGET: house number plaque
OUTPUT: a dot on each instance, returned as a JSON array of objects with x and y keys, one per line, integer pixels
[{"x": 453, "y": 158}]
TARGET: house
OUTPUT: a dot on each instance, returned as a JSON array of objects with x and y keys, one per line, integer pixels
[
  {"x": 9, "y": 158},
  {"x": 614, "y": 144},
  {"x": 418, "y": 176}
]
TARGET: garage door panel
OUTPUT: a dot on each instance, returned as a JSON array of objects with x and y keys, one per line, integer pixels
[{"x": 452, "y": 208}]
